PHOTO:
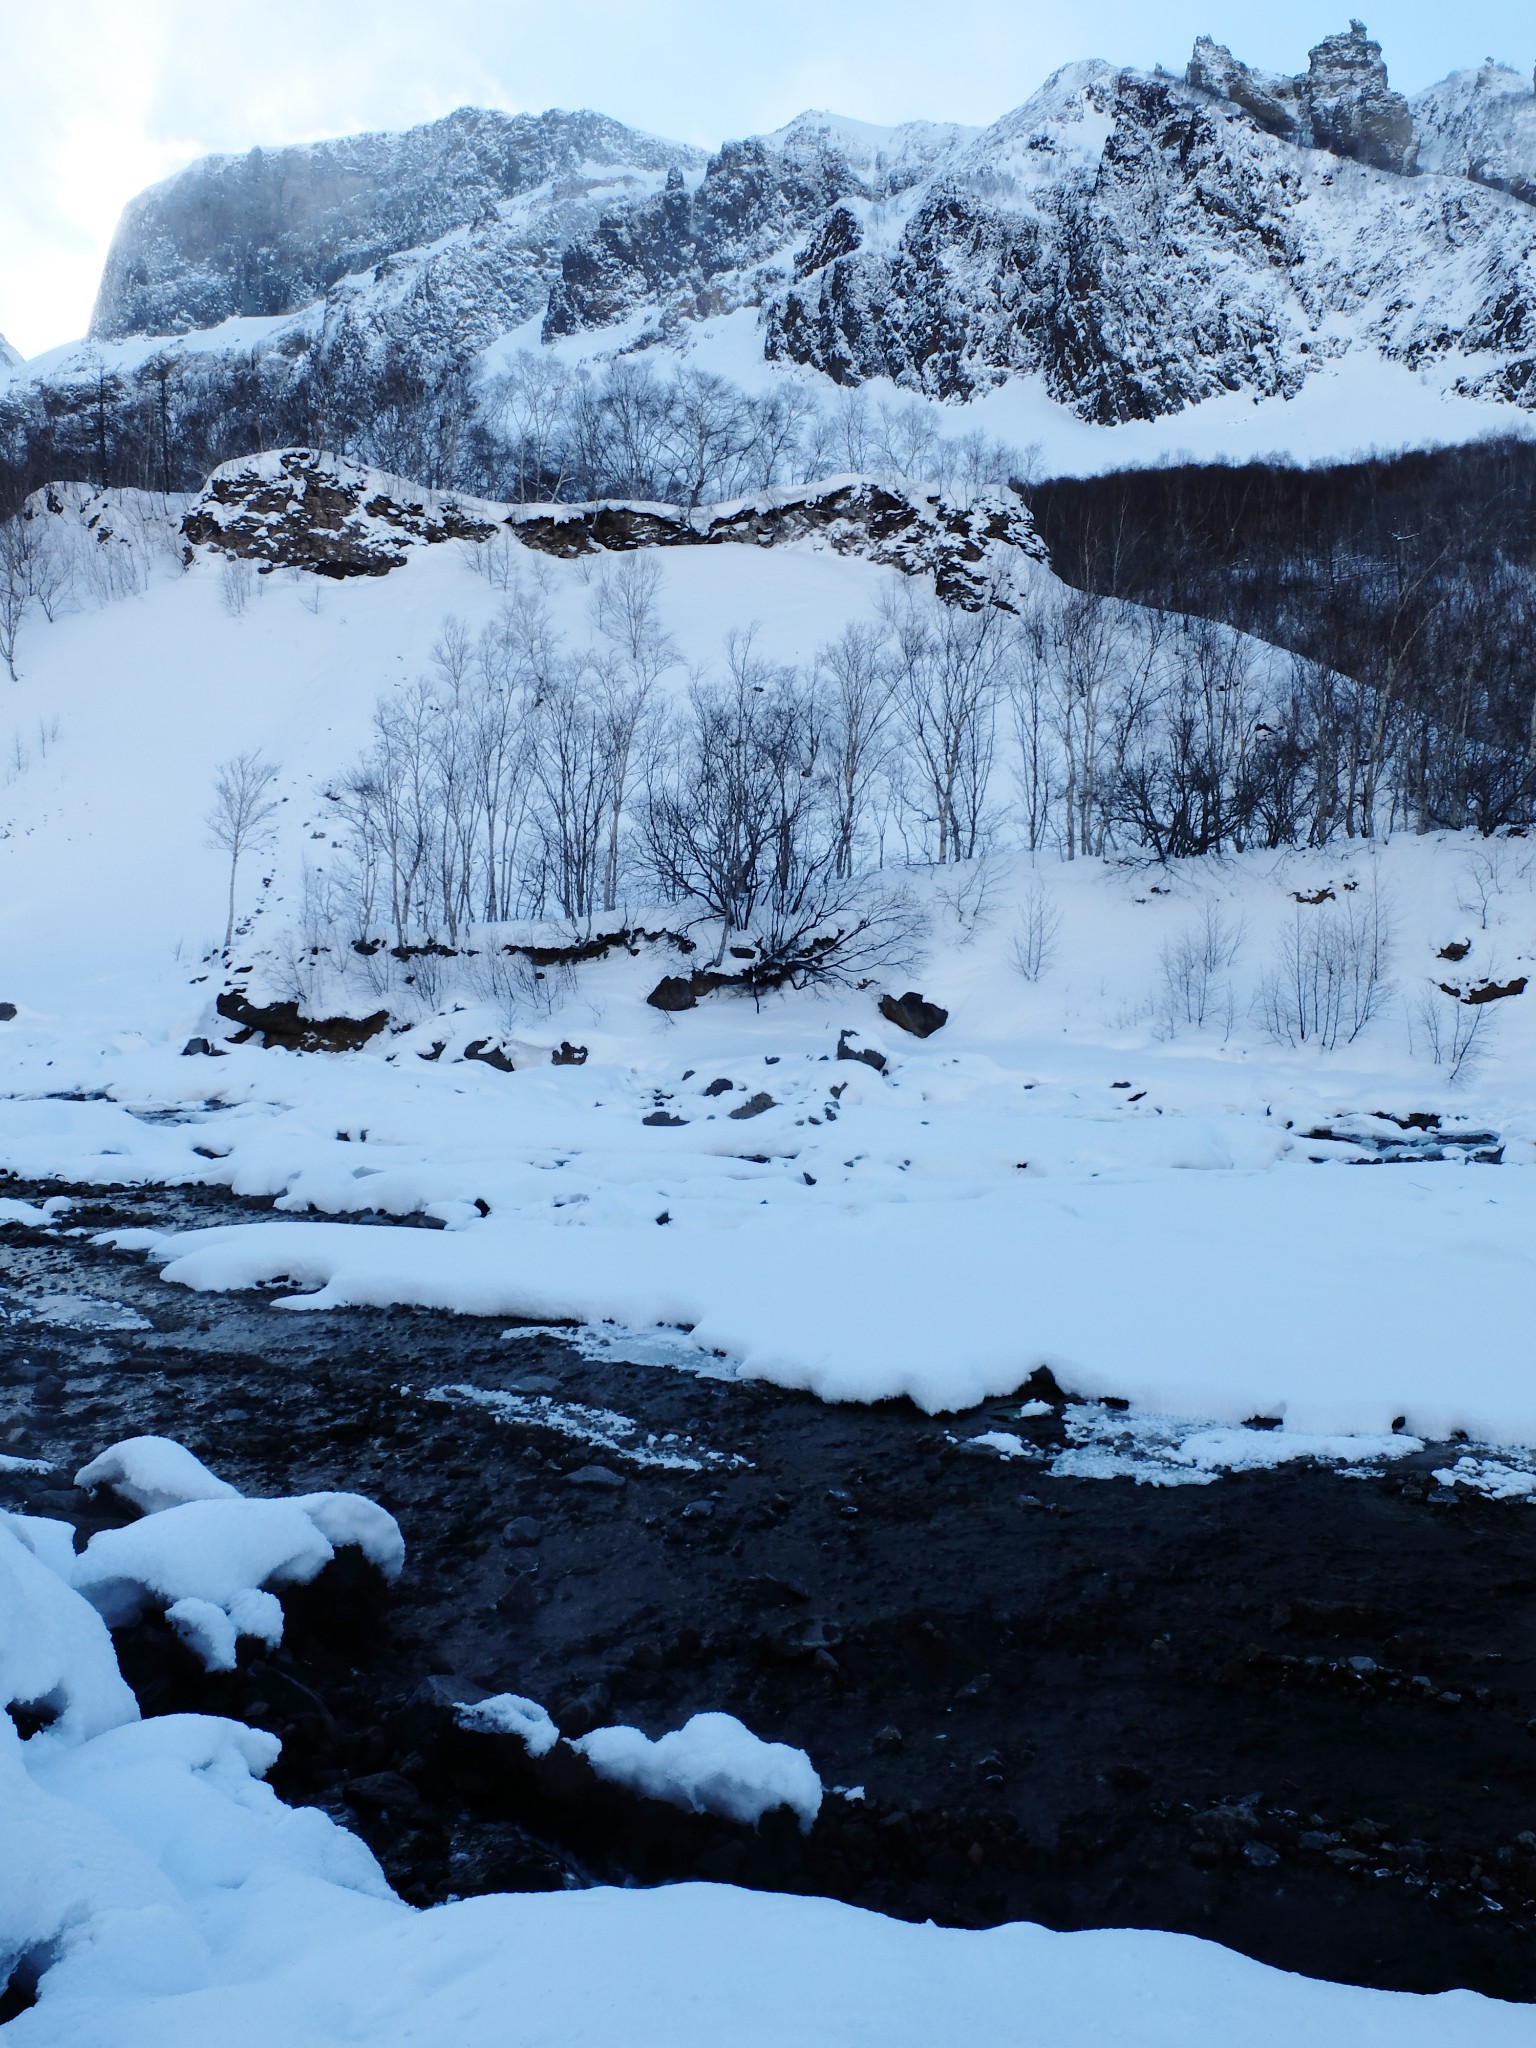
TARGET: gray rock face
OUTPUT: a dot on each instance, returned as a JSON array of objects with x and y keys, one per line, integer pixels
[
  {"x": 270, "y": 231},
  {"x": 1481, "y": 125},
  {"x": 1341, "y": 103},
  {"x": 676, "y": 248},
  {"x": 1274, "y": 102},
  {"x": 1144, "y": 247},
  {"x": 1352, "y": 109}
]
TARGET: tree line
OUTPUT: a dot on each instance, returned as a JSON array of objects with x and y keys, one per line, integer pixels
[
  {"x": 1405, "y": 589},
  {"x": 540, "y": 431}
]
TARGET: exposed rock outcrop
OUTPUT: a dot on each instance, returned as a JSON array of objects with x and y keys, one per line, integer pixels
[
  {"x": 1351, "y": 108},
  {"x": 1341, "y": 103},
  {"x": 299, "y": 509},
  {"x": 282, "y": 1024},
  {"x": 961, "y": 546},
  {"x": 1144, "y": 246}
]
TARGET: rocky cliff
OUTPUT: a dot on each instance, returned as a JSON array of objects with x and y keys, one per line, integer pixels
[{"x": 268, "y": 232}]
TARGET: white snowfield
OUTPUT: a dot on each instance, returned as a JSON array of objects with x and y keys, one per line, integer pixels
[
  {"x": 157, "y": 1893},
  {"x": 1070, "y": 1173}
]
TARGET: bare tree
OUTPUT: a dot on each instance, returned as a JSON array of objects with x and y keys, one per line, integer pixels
[
  {"x": 857, "y": 683},
  {"x": 950, "y": 667},
  {"x": 241, "y": 816},
  {"x": 626, "y": 613},
  {"x": 16, "y": 595}
]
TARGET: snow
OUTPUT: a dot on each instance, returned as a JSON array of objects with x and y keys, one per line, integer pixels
[
  {"x": 54, "y": 1649},
  {"x": 603, "y": 1429},
  {"x": 992, "y": 1203},
  {"x": 206, "y": 1553},
  {"x": 1201, "y": 1316},
  {"x": 509, "y": 1713},
  {"x": 154, "y": 1472},
  {"x": 207, "y": 1550},
  {"x": 712, "y": 1764},
  {"x": 1157, "y": 1450}
]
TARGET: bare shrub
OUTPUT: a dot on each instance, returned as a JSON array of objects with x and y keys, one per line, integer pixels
[
  {"x": 1034, "y": 943},
  {"x": 240, "y": 819},
  {"x": 1194, "y": 971},
  {"x": 237, "y": 585},
  {"x": 1454, "y": 1032},
  {"x": 1330, "y": 979}
]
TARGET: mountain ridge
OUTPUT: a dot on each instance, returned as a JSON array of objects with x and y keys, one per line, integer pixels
[{"x": 1134, "y": 244}]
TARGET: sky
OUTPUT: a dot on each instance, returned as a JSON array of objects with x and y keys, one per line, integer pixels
[{"x": 102, "y": 97}]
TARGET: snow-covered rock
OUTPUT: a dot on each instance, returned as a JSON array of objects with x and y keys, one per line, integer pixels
[
  {"x": 206, "y": 1554},
  {"x": 1341, "y": 103},
  {"x": 302, "y": 509},
  {"x": 298, "y": 508},
  {"x": 268, "y": 232},
  {"x": 153, "y": 1473},
  {"x": 712, "y": 1764},
  {"x": 1481, "y": 125},
  {"x": 1139, "y": 244},
  {"x": 509, "y": 1713},
  {"x": 1145, "y": 247}
]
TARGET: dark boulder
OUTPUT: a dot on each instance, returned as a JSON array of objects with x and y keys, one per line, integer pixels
[
  {"x": 913, "y": 1013},
  {"x": 673, "y": 992}
]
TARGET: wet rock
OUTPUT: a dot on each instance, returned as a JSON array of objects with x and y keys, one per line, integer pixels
[
  {"x": 1260, "y": 1855},
  {"x": 596, "y": 1478},
  {"x": 1128, "y": 1777},
  {"x": 446, "y": 1691},
  {"x": 386, "y": 1793},
  {"x": 523, "y": 1530},
  {"x": 583, "y": 1711},
  {"x": 913, "y": 1013}
]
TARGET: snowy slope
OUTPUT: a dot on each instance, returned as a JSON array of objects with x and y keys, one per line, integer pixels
[{"x": 938, "y": 1229}]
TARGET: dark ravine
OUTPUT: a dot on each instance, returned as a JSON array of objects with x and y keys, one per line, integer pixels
[{"x": 1288, "y": 1712}]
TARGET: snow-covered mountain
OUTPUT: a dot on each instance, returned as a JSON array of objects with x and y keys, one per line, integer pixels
[
  {"x": 1123, "y": 248},
  {"x": 1481, "y": 125},
  {"x": 271, "y": 231}
]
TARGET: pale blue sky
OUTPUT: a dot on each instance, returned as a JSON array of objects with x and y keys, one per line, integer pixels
[{"x": 101, "y": 97}]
